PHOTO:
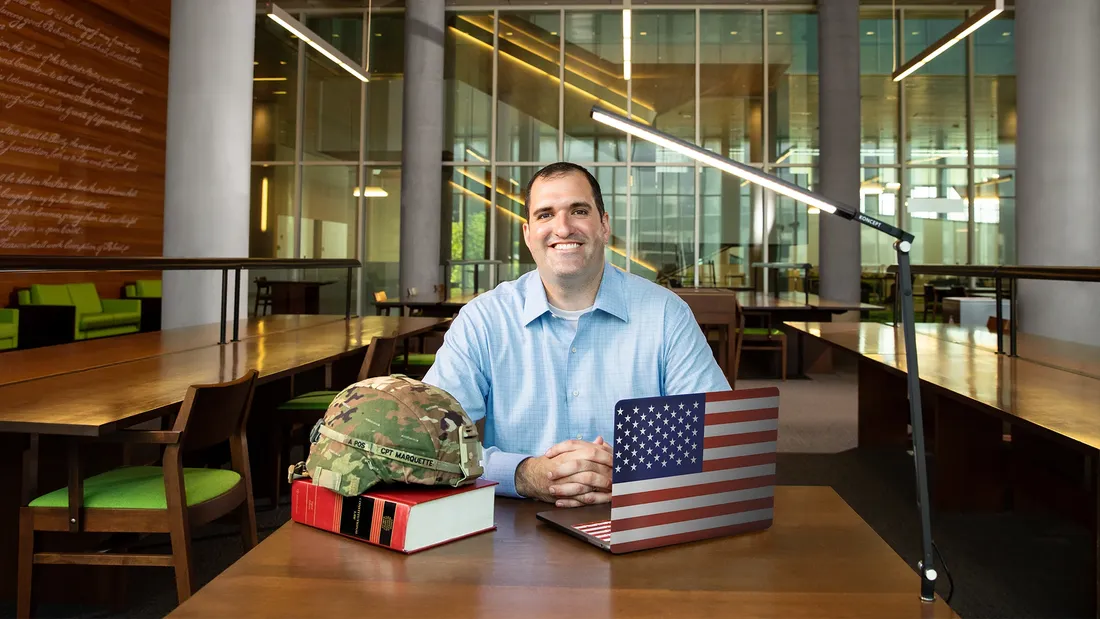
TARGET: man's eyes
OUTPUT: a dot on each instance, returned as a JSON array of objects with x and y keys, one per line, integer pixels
[{"x": 576, "y": 211}]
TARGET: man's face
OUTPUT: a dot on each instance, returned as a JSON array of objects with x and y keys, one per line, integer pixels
[{"x": 566, "y": 234}]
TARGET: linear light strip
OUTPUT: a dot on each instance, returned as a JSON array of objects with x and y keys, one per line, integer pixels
[
  {"x": 960, "y": 32},
  {"x": 299, "y": 30},
  {"x": 748, "y": 173},
  {"x": 626, "y": 44}
]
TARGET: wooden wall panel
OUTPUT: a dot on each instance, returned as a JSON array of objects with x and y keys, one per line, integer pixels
[{"x": 83, "y": 116}]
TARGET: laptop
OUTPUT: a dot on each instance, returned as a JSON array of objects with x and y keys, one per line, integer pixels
[{"x": 685, "y": 468}]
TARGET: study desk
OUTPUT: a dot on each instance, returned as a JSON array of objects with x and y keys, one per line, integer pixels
[
  {"x": 296, "y": 297},
  {"x": 819, "y": 560}
]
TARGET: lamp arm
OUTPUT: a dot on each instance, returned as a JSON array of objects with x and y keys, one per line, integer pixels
[{"x": 926, "y": 567}]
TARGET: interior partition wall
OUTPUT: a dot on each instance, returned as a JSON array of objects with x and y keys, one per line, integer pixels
[{"x": 741, "y": 80}]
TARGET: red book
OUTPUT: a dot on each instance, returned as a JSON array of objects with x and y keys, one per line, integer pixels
[{"x": 406, "y": 518}]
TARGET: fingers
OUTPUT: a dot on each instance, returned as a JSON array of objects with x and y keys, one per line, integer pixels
[
  {"x": 602, "y": 444},
  {"x": 589, "y": 498},
  {"x": 566, "y": 446},
  {"x": 570, "y": 489},
  {"x": 594, "y": 480},
  {"x": 598, "y": 461}
]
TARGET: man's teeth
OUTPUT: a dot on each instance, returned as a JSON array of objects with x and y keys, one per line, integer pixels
[{"x": 567, "y": 245}]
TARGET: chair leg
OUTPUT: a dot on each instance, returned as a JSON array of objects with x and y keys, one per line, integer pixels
[
  {"x": 247, "y": 514},
  {"x": 783, "y": 358},
  {"x": 26, "y": 564},
  {"x": 180, "y": 535}
]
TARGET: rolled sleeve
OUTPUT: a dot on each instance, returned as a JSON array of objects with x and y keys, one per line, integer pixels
[{"x": 500, "y": 466}]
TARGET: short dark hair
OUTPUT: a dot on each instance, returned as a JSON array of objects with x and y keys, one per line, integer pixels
[{"x": 557, "y": 170}]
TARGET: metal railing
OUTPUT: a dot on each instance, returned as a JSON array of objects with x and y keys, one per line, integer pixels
[
  {"x": 225, "y": 265},
  {"x": 1000, "y": 274}
]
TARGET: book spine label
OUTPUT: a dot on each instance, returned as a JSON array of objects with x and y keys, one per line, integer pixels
[{"x": 369, "y": 519}]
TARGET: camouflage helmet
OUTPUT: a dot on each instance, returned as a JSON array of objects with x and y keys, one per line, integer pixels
[{"x": 392, "y": 429}]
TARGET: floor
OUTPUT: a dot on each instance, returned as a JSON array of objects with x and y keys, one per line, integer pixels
[{"x": 1003, "y": 565}]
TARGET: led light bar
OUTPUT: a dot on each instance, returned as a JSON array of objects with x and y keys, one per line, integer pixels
[
  {"x": 626, "y": 44},
  {"x": 963, "y": 30},
  {"x": 746, "y": 172},
  {"x": 299, "y": 30}
]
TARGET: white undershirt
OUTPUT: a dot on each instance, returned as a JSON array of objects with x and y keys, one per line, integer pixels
[{"x": 572, "y": 317}]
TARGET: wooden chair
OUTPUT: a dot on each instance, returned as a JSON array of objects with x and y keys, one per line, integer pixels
[
  {"x": 306, "y": 409},
  {"x": 717, "y": 311},
  {"x": 767, "y": 338},
  {"x": 263, "y": 296},
  {"x": 153, "y": 499}
]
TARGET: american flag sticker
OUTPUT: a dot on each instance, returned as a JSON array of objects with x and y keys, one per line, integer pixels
[
  {"x": 692, "y": 467},
  {"x": 601, "y": 530}
]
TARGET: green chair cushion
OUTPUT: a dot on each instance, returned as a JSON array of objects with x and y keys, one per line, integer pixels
[
  {"x": 130, "y": 291},
  {"x": 23, "y": 296},
  {"x": 762, "y": 331},
  {"x": 50, "y": 294},
  {"x": 85, "y": 298},
  {"x": 312, "y": 401},
  {"x": 103, "y": 321},
  {"x": 420, "y": 359},
  {"x": 142, "y": 487},
  {"x": 8, "y": 330},
  {"x": 147, "y": 288}
]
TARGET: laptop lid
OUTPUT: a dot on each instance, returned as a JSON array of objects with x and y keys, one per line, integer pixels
[{"x": 688, "y": 467}]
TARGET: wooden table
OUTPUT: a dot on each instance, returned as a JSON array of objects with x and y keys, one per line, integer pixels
[
  {"x": 1058, "y": 354},
  {"x": 20, "y": 365},
  {"x": 426, "y": 307},
  {"x": 818, "y": 560},
  {"x": 296, "y": 297}
]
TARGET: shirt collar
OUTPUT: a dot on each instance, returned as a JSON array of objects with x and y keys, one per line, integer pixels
[{"x": 611, "y": 298}]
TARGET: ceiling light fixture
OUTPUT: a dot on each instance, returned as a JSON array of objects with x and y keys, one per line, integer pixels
[
  {"x": 299, "y": 30},
  {"x": 960, "y": 32},
  {"x": 370, "y": 192},
  {"x": 626, "y": 40}
]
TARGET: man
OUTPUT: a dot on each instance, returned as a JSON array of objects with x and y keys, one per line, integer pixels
[{"x": 541, "y": 361}]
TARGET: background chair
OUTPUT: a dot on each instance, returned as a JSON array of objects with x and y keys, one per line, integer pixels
[
  {"x": 302, "y": 412},
  {"x": 148, "y": 499},
  {"x": 9, "y": 329},
  {"x": 263, "y": 297},
  {"x": 767, "y": 338}
]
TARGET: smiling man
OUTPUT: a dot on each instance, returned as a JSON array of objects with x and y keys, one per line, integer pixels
[{"x": 540, "y": 362}]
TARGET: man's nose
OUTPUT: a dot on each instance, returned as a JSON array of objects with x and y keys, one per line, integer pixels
[{"x": 563, "y": 226}]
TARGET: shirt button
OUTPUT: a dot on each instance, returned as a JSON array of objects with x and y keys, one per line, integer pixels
[
  {"x": 576, "y": 393},
  {"x": 579, "y": 437},
  {"x": 574, "y": 349}
]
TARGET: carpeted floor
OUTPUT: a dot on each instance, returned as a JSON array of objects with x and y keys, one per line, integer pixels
[{"x": 1006, "y": 565}]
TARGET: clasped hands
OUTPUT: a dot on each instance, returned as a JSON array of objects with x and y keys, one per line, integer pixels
[{"x": 570, "y": 474}]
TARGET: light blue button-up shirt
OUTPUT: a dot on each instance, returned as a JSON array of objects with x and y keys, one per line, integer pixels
[{"x": 537, "y": 382}]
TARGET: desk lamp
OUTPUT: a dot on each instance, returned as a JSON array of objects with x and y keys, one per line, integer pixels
[{"x": 902, "y": 245}]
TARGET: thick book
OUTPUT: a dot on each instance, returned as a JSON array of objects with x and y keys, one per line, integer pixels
[{"x": 406, "y": 518}]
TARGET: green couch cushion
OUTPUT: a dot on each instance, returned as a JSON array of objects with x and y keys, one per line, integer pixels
[
  {"x": 23, "y": 296},
  {"x": 419, "y": 359},
  {"x": 130, "y": 291},
  {"x": 50, "y": 294},
  {"x": 763, "y": 332},
  {"x": 312, "y": 401},
  {"x": 85, "y": 298},
  {"x": 8, "y": 330},
  {"x": 142, "y": 487},
  {"x": 147, "y": 288},
  {"x": 102, "y": 321}
]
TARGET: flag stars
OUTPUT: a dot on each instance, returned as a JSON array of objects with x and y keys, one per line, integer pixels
[
  {"x": 635, "y": 410},
  {"x": 649, "y": 465},
  {"x": 634, "y": 467},
  {"x": 693, "y": 460},
  {"x": 620, "y": 411},
  {"x": 651, "y": 409},
  {"x": 695, "y": 405},
  {"x": 618, "y": 469},
  {"x": 666, "y": 407},
  {"x": 619, "y": 426},
  {"x": 635, "y": 424},
  {"x": 681, "y": 406}
]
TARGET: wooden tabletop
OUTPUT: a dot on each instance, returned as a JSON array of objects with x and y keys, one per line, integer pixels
[
  {"x": 1059, "y": 354},
  {"x": 20, "y": 365},
  {"x": 98, "y": 401},
  {"x": 818, "y": 560},
  {"x": 1061, "y": 402}
]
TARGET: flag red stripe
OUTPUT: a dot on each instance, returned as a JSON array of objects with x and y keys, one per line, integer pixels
[
  {"x": 690, "y": 537},
  {"x": 743, "y": 394},
  {"x": 758, "y": 414},
  {"x": 738, "y": 461},
  {"x": 729, "y": 440},
  {"x": 637, "y": 522},
  {"x": 684, "y": 492}
]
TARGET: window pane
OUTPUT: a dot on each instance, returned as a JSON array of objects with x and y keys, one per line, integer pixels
[
  {"x": 731, "y": 50},
  {"x": 274, "y": 92},
  {"x": 382, "y": 232},
  {"x": 878, "y": 90},
  {"x": 792, "y": 59},
  {"x": 385, "y": 91},
  {"x": 613, "y": 182},
  {"x": 935, "y": 96},
  {"x": 594, "y": 76},
  {"x": 994, "y": 216},
  {"x": 878, "y": 198},
  {"x": 663, "y": 223},
  {"x": 511, "y": 214},
  {"x": 995, "y": 92},
  {"x": 271, "y": 218},
  {"x": 937, "y": 215},
  {"x": 468, "y": 71},
  {"x": 469, "y": 193},
  {"x": 331, "y": 118},
  {"x": 527, "y": 81},
  {"x": 793, "y": 233},
  {"x": 329, "y": 212},
  {"x": 730, "y": 215},
  {"x": 663, "y": 76}
]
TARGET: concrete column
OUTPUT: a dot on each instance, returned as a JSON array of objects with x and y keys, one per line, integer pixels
[
  {"x": 206, "y": 206},
  {"x": 1058, "y": 155},
  {"x": 838, "y": 165},
  {"x": 422, "y": 137}
]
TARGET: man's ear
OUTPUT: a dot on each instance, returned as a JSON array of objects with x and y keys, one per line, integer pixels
[
  {"x": 606, "y": 228},
  {"x": 526, "y": 235}
]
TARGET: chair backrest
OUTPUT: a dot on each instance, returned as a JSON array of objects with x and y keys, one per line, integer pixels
[
  {"x": 212, "y": 413},
  {"x": 380, "y": 296},
  {"x": 379, "y": 357},
  {"x": 720, "y": 309}
]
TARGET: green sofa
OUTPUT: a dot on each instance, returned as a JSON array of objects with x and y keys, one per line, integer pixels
[
  {"x": 143, "y": 289},
  {"x": 95, "y": 317},
  {"x": 148, "y": 290},
  {"x": 9, "y": 329}
]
